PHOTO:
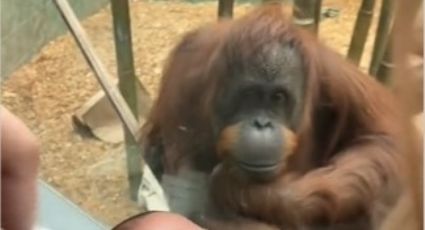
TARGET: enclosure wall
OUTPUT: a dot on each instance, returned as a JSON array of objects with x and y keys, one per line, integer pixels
[{"x": 27, "y": 25}]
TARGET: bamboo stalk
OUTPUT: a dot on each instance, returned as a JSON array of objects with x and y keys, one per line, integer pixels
[
  {"x": 305, "y": 14},
  {"x": 385, "y": 68},
  {"x": 361, "y": 29},
  {"x": 317, "y": 15},
  {"x": 382, "y": 35},
  {"x": 271, "y": 1},
  {"x": 225, "y": 9},
  {"x": 128, "y": 86}
]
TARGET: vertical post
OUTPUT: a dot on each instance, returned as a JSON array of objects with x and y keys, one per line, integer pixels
[
  {"x": 385, "y": 67},
  {"x": 128, "y": 87},
  {"x": 273, "y": 1},
  {"x": 304, "y": 12},
  {"x": 225, "y": 9},
  {"x": 317, "y": 15},
  {"x": 382, "y": 35},
  {"x": 360, "y": 32}
]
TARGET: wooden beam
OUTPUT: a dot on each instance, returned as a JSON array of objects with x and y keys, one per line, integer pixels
[{"x": 102, "y": 75}]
